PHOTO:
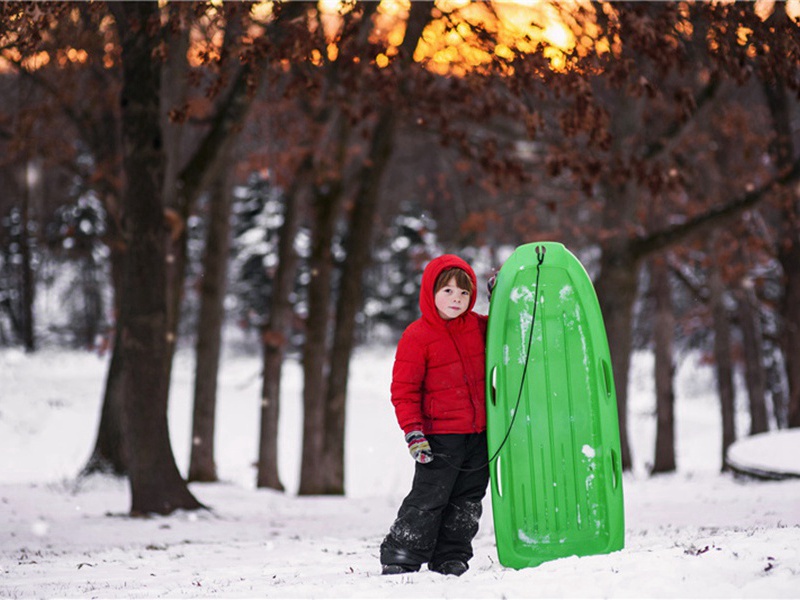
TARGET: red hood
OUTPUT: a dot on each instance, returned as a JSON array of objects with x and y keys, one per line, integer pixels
[{"x": 429, "y": 276}]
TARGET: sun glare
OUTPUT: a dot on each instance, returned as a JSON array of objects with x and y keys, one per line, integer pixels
[{"x": 453, "y": 44}]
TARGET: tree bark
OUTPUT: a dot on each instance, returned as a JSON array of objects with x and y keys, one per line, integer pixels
[
  {"x": 616, "y": 290},
  {"x": 617, "y": 283},
  {"x": 358, "y": 252},
  {"x": 753, "y": 349},
  {"x": 790, "y": 312},
  {"x": 663, "y": 332},
  {"x": 276, "y": 335},
  {"x": 108, "y": 455},
  {"x": 156, "y": 484},
  {"x": 174, "y": 94},
  {"x": 724, "y": 362},
  {"x": 209, "y": 334},
  {"x": 326, "y": 203},
  {"x": 92, "y": 302}
]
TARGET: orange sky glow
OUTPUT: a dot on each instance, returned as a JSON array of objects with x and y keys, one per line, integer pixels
[{"x": 450, "y": 44}]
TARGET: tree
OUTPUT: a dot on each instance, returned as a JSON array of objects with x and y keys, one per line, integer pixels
[
  {"x": 347, "y": 85},
  {"x": 723, "y": 360},
  {"x": 276, "y": 334},
  {"x": 779, "y": 79},
  {"x": 663, "y": 332},
  {"x": 156, "y": 484},
  {"x": 209, "y": 335},
  {"x": 358, "y": 251},
  {"x": 632, "y": 135},
  {"x": 392, "y": 298},
  {"x": 749, "y": 319},
  {"x": 189, "y": 171}
]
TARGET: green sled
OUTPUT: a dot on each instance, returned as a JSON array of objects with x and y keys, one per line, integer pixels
[{"x": 551, "y": 408}]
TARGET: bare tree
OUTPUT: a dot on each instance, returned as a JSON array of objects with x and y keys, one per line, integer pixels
[
  {"x": 209, "y": 335},
  {"x": 663, "y": 332},
  {"x": 156, "y": 484},
  {"x": 724, "y": 362}
]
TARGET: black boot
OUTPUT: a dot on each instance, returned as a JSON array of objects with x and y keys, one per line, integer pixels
[
  {"x": 398, "y": 569},
  {"x": 450, "y": 567}
]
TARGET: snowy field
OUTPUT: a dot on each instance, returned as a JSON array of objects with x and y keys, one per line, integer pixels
[{"x": 694, "y": 534}]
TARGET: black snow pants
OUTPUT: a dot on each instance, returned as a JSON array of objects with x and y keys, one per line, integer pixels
[{"x": 439, "y": 518}]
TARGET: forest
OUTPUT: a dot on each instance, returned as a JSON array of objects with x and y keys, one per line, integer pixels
[{"x": 169, "y": 169}]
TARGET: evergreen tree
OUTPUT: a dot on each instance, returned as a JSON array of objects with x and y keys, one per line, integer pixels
[{"x": 392, "y": 288}]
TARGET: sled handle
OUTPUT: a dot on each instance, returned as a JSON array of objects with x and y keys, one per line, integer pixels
[
  {"x": 496, "y": 480},
  {"x": 616, "y": 475},
  {"x": 493, "y": 385},
  {"x": 607, "y": 379}
]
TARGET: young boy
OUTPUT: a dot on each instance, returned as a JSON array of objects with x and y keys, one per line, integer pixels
[{"x": 438, "y": 395}]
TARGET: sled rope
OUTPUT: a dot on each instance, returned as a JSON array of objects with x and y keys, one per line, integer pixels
[{"x": 540, "y": 252}]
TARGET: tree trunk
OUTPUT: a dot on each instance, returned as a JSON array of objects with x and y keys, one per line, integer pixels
[
  {"x": 185, "y": 183},
  {"x": 326, "y": 209},
  {"x": 108, "y": 449},
  {"x": 753, "y": 348},
  {"x": 174, "y": 94},
  {"x": 276, "y": 335},
  {"x": 28, "y": 287},
  {"x": 790, "y": 313},
  {"x": 663, "y": 332},
  {"x": 156, "y": 484},
  {"x": 724, "y": 362},
  {"x": 327, "y": 196},
  {"x": 358, "y": 251},
  {"x": 616, "y": 292},
  {"x": 92, "y": 302},
  {"x": 788, "y": 243},
  {"x": 616, "y": 287},
  {"x": 775, "y": 376},
  {"x": 209, "y": 334},
  {"x": 108, "y": 455}
]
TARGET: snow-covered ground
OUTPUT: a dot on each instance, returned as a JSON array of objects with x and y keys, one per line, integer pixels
[{"x": 692, "y": 534}]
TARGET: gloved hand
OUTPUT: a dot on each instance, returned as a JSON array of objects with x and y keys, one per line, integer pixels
[{"x": 419, "y": 447}]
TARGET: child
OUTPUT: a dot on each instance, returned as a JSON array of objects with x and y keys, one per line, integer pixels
[{"x": 438, "y": 395}]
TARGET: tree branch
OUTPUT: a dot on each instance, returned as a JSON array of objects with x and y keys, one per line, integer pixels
[
  {"x": 230, "y": 115},
  {"x": 655, "y": 242},
  {"x": 667, "y": 140},
  {"x": 81, "y": 120}
]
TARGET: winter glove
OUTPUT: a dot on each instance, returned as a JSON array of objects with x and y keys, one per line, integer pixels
[{"x": 419, "y": 447}]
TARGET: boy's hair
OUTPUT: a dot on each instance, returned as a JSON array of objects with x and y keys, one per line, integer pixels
[{"x": 462, "y": 279}]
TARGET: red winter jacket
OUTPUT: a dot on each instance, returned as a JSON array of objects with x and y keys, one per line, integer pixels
[{"x": 438, "y": 377}]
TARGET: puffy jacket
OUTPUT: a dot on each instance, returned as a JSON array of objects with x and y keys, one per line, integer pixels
[{"x": 439, "y": 368}]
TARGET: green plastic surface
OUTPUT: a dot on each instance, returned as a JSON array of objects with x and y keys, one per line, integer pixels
[{"x": 556, "y": 482}]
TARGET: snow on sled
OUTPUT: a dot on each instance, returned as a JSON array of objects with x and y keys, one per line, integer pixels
[
  {"x": 772, "y": 455},
  {"x": 556, "y": 481}
]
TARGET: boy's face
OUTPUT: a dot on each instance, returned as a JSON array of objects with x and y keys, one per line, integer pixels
[{"x": 451, "y": 301}]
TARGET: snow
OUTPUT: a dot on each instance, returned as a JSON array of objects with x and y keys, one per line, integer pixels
[
  {"x": 693, "y": 534},
  {"x": 774, "y": 452}
]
